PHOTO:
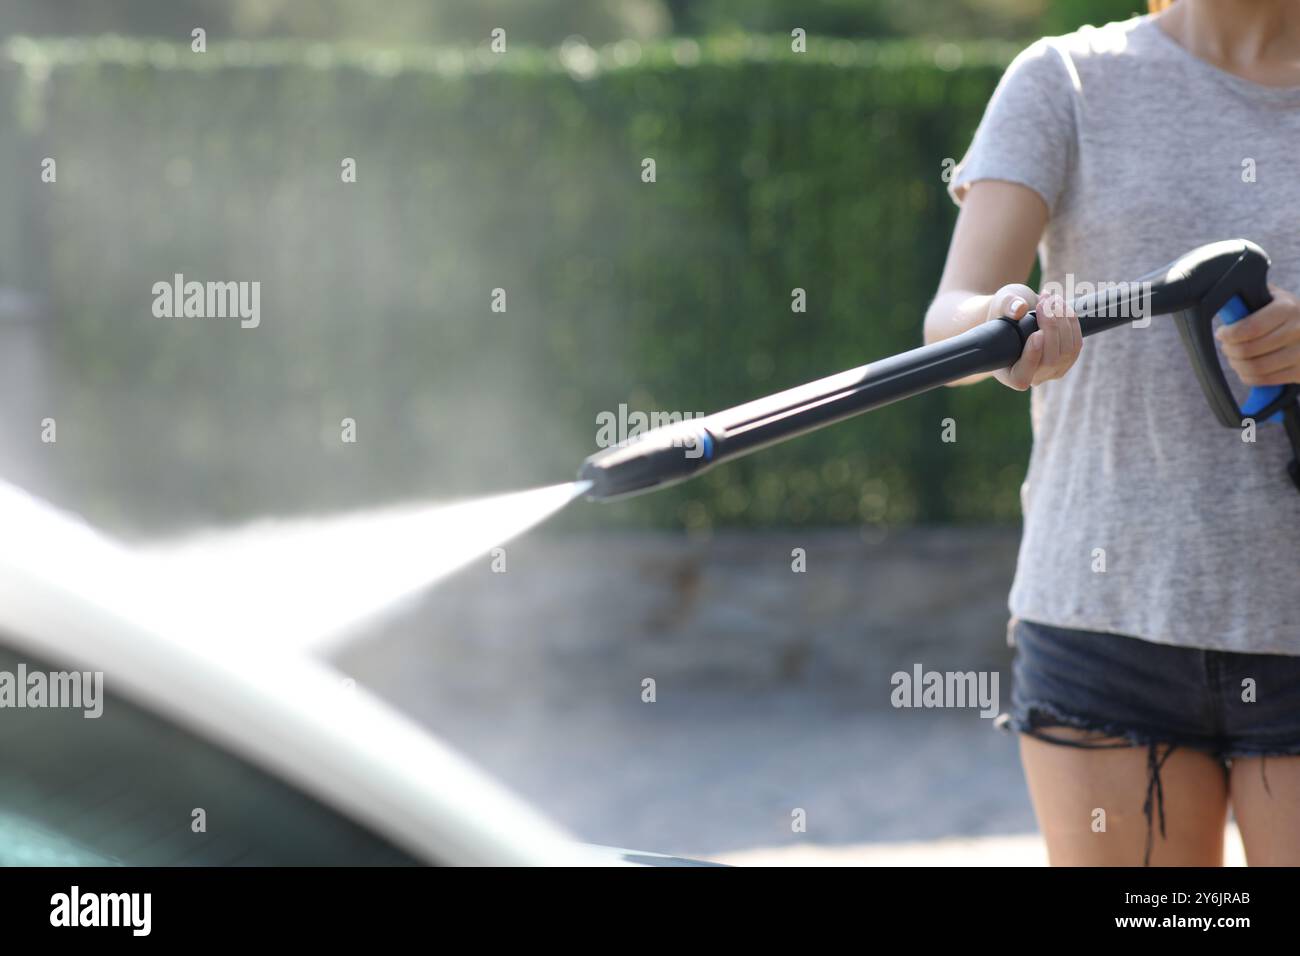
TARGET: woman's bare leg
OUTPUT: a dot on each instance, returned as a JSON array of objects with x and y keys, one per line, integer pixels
[
  {"x": 1069, "y": 785},
  {"x": 1266, "y": 801}
]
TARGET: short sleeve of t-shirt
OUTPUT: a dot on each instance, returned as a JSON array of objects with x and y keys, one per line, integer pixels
[{"x": 1027, "y": 133}]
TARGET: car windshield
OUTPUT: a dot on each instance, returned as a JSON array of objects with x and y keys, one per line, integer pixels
[{"x": 97, "y": 780}]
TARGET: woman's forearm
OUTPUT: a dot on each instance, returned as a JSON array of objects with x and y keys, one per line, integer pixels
[
  {"x": 993, "y": 246},
  {"x": 953, "y": 312}
]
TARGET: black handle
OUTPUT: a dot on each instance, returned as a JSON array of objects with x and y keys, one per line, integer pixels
[
  {"x": 1224, "y": 280},
  {"x": 1241, "y": 289}
]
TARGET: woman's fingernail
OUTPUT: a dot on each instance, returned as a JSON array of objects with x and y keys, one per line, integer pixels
[{"x": 1016, "y": 303}]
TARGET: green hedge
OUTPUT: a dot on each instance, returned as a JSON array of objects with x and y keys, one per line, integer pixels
[{"x": 774, "y": 171}]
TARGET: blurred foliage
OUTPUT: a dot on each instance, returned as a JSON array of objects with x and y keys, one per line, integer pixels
[
  {"x": 549, "y": 22},
  {"x": 523, "y": 172},
  {"x": 937, "y": 19}
]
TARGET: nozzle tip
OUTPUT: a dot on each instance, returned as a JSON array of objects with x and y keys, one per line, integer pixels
[{"x": 652, "y": 460}]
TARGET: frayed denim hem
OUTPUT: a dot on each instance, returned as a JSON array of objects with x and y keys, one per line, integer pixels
[{"x": 1035, "y": 720}]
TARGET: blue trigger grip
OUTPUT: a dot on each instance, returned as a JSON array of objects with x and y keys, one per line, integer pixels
[{"x": 1234, "y": 310}]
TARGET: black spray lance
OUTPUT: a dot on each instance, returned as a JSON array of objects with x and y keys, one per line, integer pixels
[{"x": 1224, "y": 279}]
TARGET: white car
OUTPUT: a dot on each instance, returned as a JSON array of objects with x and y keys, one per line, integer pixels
[{"x": 212, "y": 748}]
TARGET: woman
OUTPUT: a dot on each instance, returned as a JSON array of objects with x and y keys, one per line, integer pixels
[{"x": 1156, "y": 604}]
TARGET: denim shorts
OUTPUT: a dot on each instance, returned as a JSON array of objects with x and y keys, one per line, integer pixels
[{"x": 1128, "y": 691}]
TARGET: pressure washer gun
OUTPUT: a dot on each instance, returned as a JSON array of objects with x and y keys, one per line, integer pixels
[{"x": 1225, "y": 280}]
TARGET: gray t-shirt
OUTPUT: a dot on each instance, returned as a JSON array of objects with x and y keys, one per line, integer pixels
[{"x": 1142, "y": 152}]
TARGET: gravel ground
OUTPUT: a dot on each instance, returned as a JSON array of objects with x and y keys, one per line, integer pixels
[
  {"x": 707, "y": 776},
  {"x": 772, "y": 688}
]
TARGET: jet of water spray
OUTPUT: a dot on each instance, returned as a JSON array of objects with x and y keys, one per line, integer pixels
[{"x": 305, "y": 582}]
